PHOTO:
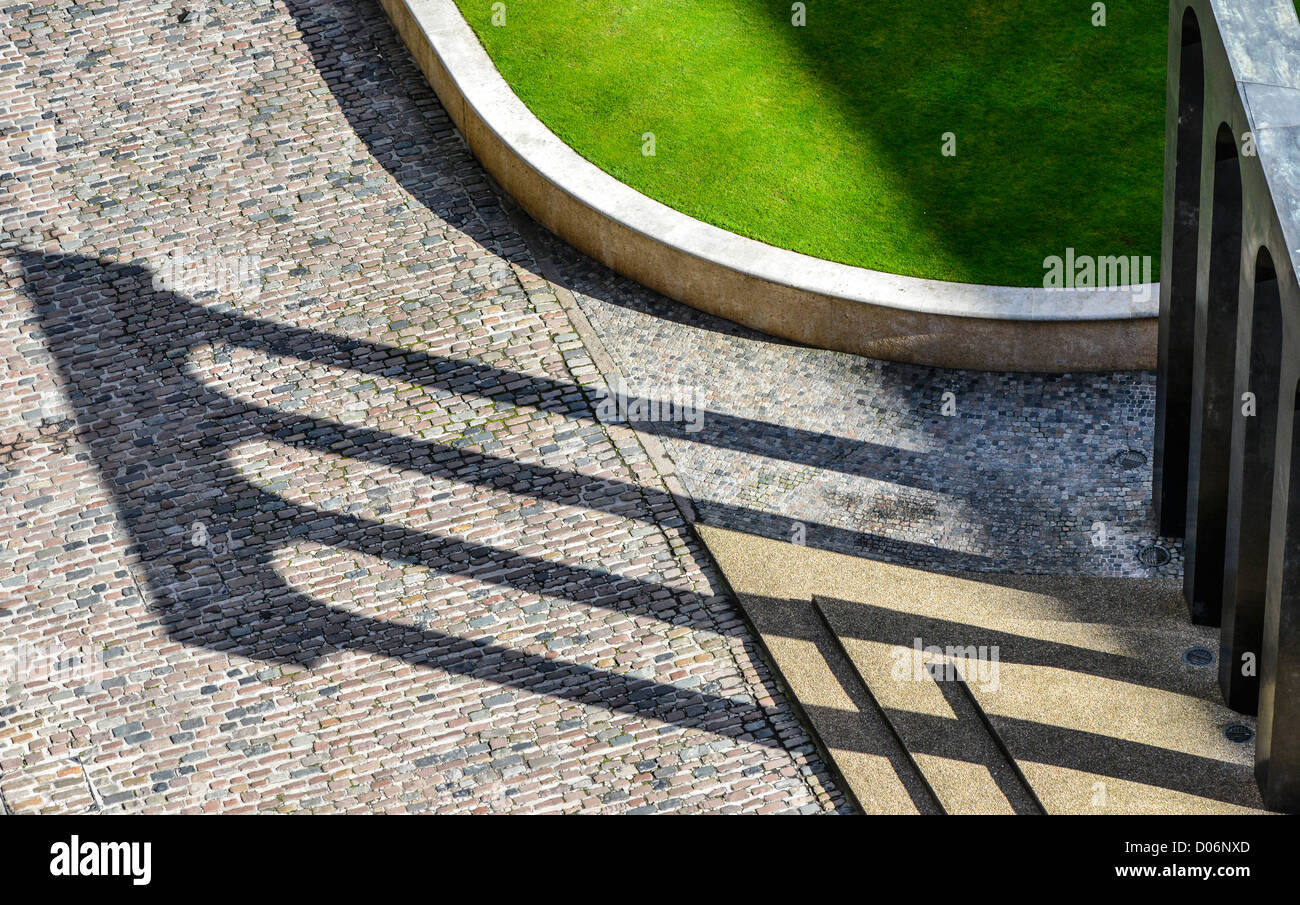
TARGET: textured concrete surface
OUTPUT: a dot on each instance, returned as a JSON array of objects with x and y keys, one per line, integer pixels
[
  {"x": 304, "y": 504},
  {"x": 938, "y": 724},
  {"x": 1082, "y": 681},
  {"x": 818, "y": 302},
  {"x": 875, "y": 767}
]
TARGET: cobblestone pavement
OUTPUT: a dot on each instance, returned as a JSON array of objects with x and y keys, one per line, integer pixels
[
  {"x": 304, "y": 504},
  {"x": 931, "y": 468}
]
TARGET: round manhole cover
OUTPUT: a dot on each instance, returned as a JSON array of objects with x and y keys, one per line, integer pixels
[
  {"x": 1154, "y": 555},
  {"x": 1238, "y": 733},
  {"x": 1129, "y": 459},
  {"x": 1198, "y": 656}
]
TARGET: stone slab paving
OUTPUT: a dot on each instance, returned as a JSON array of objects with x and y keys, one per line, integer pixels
[
  {"x": 941, "y": 469},
  {"x": 304, "y": 503}
]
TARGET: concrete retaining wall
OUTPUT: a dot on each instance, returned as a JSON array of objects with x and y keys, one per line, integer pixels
[{"x": 783, "y": 293}]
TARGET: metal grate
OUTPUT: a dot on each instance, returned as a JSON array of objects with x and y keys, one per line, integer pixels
[
  {"x": 1129, "y": 459},
  {"x": 1154, "y": 555},
  {"x": 1238, "y": 733}
]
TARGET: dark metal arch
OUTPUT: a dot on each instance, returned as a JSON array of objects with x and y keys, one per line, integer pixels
[
  {"x": 1250, "y": 495},
  {"x": 1178, "y": 286},
  {"x": 1213, "y": 383}
]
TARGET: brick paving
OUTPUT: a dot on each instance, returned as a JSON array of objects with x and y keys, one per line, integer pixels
[
  {"x": 305, "y": 506},
  {"x": 1020, "y": 473}
]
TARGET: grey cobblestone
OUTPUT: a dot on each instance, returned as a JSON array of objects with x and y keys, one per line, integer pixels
[{"x": 1020, "y": 474}]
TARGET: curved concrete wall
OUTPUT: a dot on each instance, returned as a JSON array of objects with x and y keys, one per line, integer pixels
[{"x": 783, "y": 293}]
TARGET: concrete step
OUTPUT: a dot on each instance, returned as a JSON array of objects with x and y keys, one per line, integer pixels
[
  {"x": 874, "y": 769},
  {"x": 931, "y": 709},
  {"x": 1073, "y": 693}
]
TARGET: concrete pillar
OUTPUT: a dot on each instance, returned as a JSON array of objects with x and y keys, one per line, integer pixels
[
  {"x": 1277, "y": 746},
  {"x": 1184, "y": 128},
  {"x": 1213, "y": 386}
]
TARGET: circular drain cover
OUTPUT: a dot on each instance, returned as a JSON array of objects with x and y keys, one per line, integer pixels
[
  {"x": 1238, "y": 733},
  {"x": 1129, "y": 459},
  {"x": 1154, "y": 555},
  {"x": 1198, "y": 656}
]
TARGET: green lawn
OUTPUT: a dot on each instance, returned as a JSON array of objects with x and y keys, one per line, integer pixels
[{"x": 826, "y": 139}]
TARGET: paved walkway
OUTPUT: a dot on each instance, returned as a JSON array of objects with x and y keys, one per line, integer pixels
[
  {"x": 305, "y": 505},
  {"x": 950, "y": 470}
]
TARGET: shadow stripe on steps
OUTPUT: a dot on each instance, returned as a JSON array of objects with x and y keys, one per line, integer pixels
[{"x": 937, "y": 719}]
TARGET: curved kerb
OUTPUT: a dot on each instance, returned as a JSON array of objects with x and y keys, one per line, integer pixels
[{"x": 783, "y": 293}]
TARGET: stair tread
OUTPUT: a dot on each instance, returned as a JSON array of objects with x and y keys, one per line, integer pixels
[
  {"x": 1092, "y": 702},
  {"x": 940, "y": 724}
]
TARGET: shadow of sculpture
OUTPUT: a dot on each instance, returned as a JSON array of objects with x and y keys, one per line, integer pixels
[{"x": 157, "y": 435}]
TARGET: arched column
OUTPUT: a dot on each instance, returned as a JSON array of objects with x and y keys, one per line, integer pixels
[
  {"x": 1277, "y": 744},
  {"x": 1212, "y": 388},
  {"x": 1178, "y": 286},
  {"x": 1250, "y": 492}
]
